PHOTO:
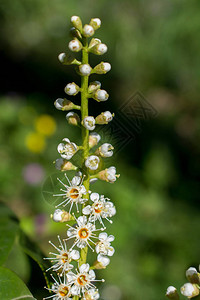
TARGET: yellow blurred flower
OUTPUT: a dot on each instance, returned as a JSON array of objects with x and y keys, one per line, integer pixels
[
  {"x": 45, "y": 125},
  {"x": 35, "y": 142}
]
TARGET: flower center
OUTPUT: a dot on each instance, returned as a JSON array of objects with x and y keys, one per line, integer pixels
[
  {"x": 64, "y": 257},
  {"x": 82, "y": 280},
  {"x": 98, "y": 208},
  {"x": 83, "y": 233},
  {"x": 63, "y": 291},
  {"x": 74, "y": 193}
]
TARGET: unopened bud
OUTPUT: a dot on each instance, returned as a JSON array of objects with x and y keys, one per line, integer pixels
[
  {"x": 75, "y": 45},
  {"x": 68, "y": 59},
  {"x": 71, "y": 89},
  {"x": 190, "y": 290},
  {"x": 75, "y": 33},
  {"x": 192, "y": 275},
  {"x": 172, "y": 293},
  {"x": 94, "y": 138},
  {"x": 94, "y": 86},
  {"x": 73, "y": 118},
  {"x": 105, "y": 150},
  {"x": 95, "y": 23},
  {"x": 94, "y": 42},
  {"x": 64, "y": 104},
  {"x": 104, "y": 118},
  {"x": 85, "y": 69},
  {"x": 101, "y": 95},
  {"x": 99, "y": 49},
  {"x": 64, "y": 165},
  {"x": 76, "y": 22},
  {"x": 88, "y": 30},
  {"x": 61, "y": 216},
  {"x": 102, "y": 68}
]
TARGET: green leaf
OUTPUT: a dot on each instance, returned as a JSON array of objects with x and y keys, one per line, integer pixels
[
  {"x": 9, "y": 229},
  {"x": 31, "y": 249},
  {"x": 12, "y": 287}
]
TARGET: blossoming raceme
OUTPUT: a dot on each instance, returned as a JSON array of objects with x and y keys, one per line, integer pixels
[
  {"x": 67, "y": 149},
  {"x": 73, "y": 192},
  {"x": 82, "y": 281},
  {"x": 63, "y": 258},
  {"x": 101, "y": 208},
  {"x": 82, "y": 232}
]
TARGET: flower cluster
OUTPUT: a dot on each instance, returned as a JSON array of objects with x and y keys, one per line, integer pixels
[
  {"x": 87, "y": 211},
  {"x": 190, "y": 289}
]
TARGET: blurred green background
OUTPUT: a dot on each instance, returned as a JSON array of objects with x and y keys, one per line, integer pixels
[{"x": 154, "y": 48}]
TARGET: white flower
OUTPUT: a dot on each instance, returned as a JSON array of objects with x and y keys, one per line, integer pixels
[
  {"x": 72, "y": 193},
  {"x": 92, "y": 294},
  {"x": 101, "y": 95},
  {"x": 75, "y": 45},
  {"x": 88, "y": 30},
  {"x": 104, "y": 117},
  {"x": 105, "y": 150},
  {"x": 67, "y": 149},
  {"x": 107, "y": 116},
  {"x": 191, "y": 271},
  {"x": 76, "y": 22},
  {"x": 82, "y": 232},
  {"x": 71, "y": 89},
  {"x": 106, "y": 67},
  {"x": 189, "y": 290},
  {"x": 111, "y": 174},
  {"x": 101, "y": 208},
  {"x": 102, "y": 48},
  {"x": 57, "y": 215},
  {"x": 94, "y": 138},
  {"x": 61, "y": 290},
  {"x": 61, "y": 260},
  {"x": 95, "y": 23},
  {"x": 89, "y": 123},
  {"x": 85, "y": 69},
  {"x": 104, "y": 260},
  {"x": 103, "y": 246},
  {"x": 82, "y": 281},
  {"x": 92, "y": 162}
]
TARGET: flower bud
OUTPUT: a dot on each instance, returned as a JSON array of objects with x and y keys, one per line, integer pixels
[
  {"x": 89, "y": 123},
  {"x": 94, "y": 86},
  {"x": 192, "y": 275},
  {"x": 172, "y": 293},
  {"x": 64, "y": 104},
  {"x": 104, "y": 118},
  {"x": 88, "y": 30},
  {"x": 102, "y": 68},
  {"x": 105, "y": 150},
  {"x": 99, "y": 49},
  {"x": 68, "y": 59},
  {"x": 95, "y": 23},
  {"x": 94, "y": 138},
  {"x": 75, "y": 45},
  {"x": 94, "y": 42},
  {"x": 76, "y": 22},
  {"x": 64, "y": 165},
  {"x": 85, "y": 69},
  {"x": 108, "y": 175},
  {"x": 190, "y": 290},
  {"x": 102, "y": 262},
  {"x": 73, "y": 118},
  {"x": 61, "y": 216},
  {"x": 71, "y": 89},
  {"x": 101, "y": 95},
  {"x": 75, "y": 33},
  {"x": 92, "y": 162}
]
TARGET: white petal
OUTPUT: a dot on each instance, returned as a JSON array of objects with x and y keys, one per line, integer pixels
[
  {"x": 75, "y": 254},
  {"x": 71, "y": 231},
  {"x": 111, "y": 251},
  {"x": 103, "y": 259},
  {"x": 92, "y": 275},
  {"x": 94, "y": 197},
  {"x": 110, "y": 238},
  {"x": 60, "y": 147},
  {"x": 75, "y": 290},
  {"x": 87, "y": 210},
  {"x": 103, "y": 236},
  {"x": 82, "y": 220},
  {"x": 84, "y": 268},
  {"x": 71, "y": 277},
  {"x": 66, "y": 140},
  {"x": 75, "y": 181}
]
